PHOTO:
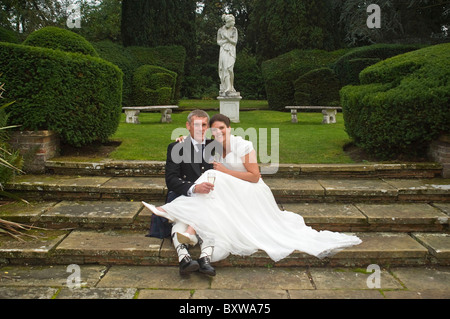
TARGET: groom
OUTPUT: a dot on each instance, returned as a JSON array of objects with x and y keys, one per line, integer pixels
[{"x": 185, "y": 163}]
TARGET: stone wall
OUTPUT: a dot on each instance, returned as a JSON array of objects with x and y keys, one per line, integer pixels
[
  {"x": 439, "y": 151},
  {"x": 36, "y": 147}
]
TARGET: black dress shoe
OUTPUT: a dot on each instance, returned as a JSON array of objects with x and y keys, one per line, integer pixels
[
  {"x": 205, "y": 266},
  {"x": 187, "y": 265}
]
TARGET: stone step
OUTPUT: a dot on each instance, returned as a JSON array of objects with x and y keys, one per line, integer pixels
[
  {"x": 157, "y": 169},
  {"x": 362, "y": 217},
  {"x": 128, "y": 247},
  {"x": 60, "y": 187}
]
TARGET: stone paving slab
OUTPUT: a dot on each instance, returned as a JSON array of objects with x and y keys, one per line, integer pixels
[
  {"x": 57, "y": 183},
  {"x": 424, "y": 278},
  {"x": 240, "y": 294},
  {"x": 108, "y": 167},
  {"x": 20, "y": 212},
  {"x": 289, "y": 190},
  {"x": 420, "y": 186},
  {"x": 49, "y": 276},
  {"x": 445, "y": 207},
  {"x": 335, "y": 294},
  {"x": 292, "y": 188},
  {"x": 422, "y": 189},
  {"x": 350, "y": 279},
  {"x": 132, "y": 247},
  {"x": 85, "y": 213},
  {"x": 345, "y": 217},
  {"x": 250, "y": 278},
  {"x": 423, "y": 294},
  {"x": 38, "y": 248},
  {"x": 153, "y": 277},
  {"x": 438, "y": 244},
  {"x": 359, "y": 187},
  {"x": 108, "y": 214},
  {"x": 382, "y": 248},
  {"x": 109, "y": 246},
  {"x": 126, "y": 282},
  {"x": 403, "y": 216},
  {"x": 164, "y": 294},
  {"x": 97, "y": 293},
  {"x": 27, "y": 292},
  {"x": 146, "y": 185}
]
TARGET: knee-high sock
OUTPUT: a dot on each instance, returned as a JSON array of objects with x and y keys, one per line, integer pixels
[
  {"x": 180, "y": 248},
  {"x": 207, "y": 248}
]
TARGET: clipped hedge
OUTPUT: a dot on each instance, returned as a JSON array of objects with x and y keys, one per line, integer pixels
[
  {"x": 60, "y": 39},
  {"x": 78, "y": 96},
  {"x": 8, "y": 36},
  {"x": 348, "y": 67},
  {"x": 401, "y": 105},
  {"x": 317, "y": 87},
  {"x": 153, "y": 85},
  {"x": 128, "y": 59},
  {"x": 280, "y": 73}
]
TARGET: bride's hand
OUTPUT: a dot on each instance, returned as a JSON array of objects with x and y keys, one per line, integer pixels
[
  {"x": 219, "y": 167},
  {"x": 181, "y": 139}
]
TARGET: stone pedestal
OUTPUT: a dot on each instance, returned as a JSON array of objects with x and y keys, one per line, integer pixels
[
  {"x": 36, "y": 147},
  {"x": 229, "y": 106}
]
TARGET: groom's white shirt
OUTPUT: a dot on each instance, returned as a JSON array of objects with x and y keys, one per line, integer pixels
[{"x": 196, "y": 144}]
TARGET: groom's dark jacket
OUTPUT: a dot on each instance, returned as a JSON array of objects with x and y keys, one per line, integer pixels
[{"x": 184, "y": 164}]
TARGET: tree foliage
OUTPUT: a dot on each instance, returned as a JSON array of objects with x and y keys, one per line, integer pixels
[
  {"x": 279, "y": 26},
  {"x": 156, "y": 23},
  {"x": 401, "y": 21}
]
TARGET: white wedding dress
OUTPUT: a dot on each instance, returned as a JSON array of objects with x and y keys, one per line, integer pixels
[{"x": 243, "y": 217}]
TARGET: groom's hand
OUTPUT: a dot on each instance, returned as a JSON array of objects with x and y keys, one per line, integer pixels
[{"x": 203, "y": 188}]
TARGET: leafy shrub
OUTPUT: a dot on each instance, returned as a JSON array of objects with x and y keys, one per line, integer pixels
[
  {"x": 153, "y": 85},
  {"x": 78, "y": 96},
  {"x": 280, "y": 73},
  {"x": 120, "y": 56},
  {"x": 60, "y": 39},
  {"x": 248, "y": 77},
  {"x": 348, "y": 67},
  {"x": 317, "y": 87},
  {"x": 402, "y": 103},
  {"x": 128, "y": 59},
  {"x": 8, "y": 36}
]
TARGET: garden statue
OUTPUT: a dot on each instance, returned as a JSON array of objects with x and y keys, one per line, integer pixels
[{"x": 227, "y": 38}]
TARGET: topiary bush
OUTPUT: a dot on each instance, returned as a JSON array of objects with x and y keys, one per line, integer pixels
[
  {"x": 8, "y": 36},
  {"x": 279, "y": 74},
  {"x": 317, "y": 87},
  {"x": 153, "y": 85},
  {"x": 171, "y": 57},
  {"x": 60, "y": 39},
  {"x": 348, "y": 67},
  {"x": 78, "y": 96},
  {"x": 128, "y": 59},
  {"x": 250, "y": 83},
  {"x": 401, "y": 105}
]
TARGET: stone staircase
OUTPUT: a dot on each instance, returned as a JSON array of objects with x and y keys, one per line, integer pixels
[{"x": 92, "y": 214}]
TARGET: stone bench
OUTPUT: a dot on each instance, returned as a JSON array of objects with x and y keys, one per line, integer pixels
[
  {"x": 329, "y": 112},
  {"x": 132, "y": 112}
]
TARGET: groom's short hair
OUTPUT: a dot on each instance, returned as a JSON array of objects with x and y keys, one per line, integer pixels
[{"x": 197, "y": 113}]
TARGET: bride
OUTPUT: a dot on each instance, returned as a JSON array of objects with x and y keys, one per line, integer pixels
[{"x": 240, "y": 216}]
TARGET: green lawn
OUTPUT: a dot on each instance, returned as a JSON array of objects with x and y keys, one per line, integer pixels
[{"x": 309, "y": 141}]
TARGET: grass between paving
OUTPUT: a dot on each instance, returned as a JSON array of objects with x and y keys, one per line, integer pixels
[{"x": 308, "y": 141}]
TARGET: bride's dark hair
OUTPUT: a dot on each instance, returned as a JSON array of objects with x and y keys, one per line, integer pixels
[{"x": 220, "y": 118}]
